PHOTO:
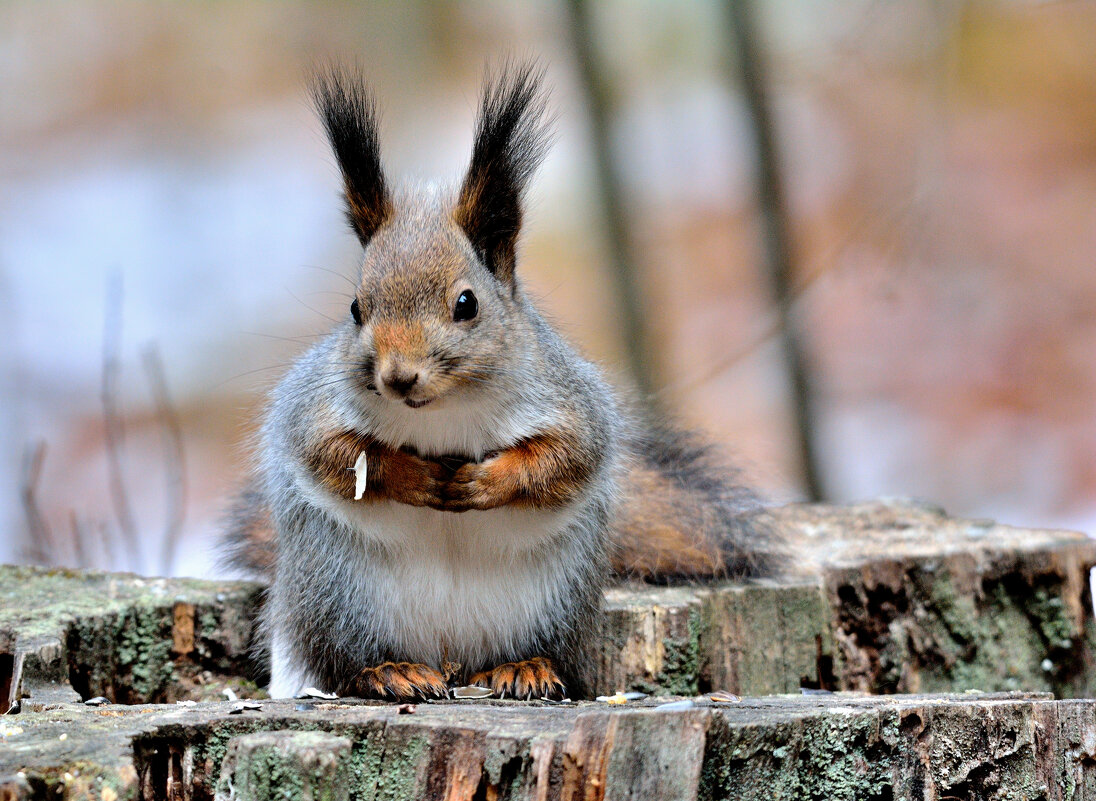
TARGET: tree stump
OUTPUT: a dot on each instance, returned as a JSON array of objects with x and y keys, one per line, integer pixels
[
  {"x": 839, "y": 746},
  {"x": 289, "y": 765},
  {"x": 883, "y": 597}
]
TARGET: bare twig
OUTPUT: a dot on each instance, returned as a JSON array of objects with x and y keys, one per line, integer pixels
[
  {"x": 114, "y": 434},
  {"x": 79, "y": 532},
  {"x": 639, "y": 351},
  {"x": 40, "y": 545},
  {"x": 107, "y": 540},
  {"x": 90, "y": 536},
  {"x": 775, "y": 226},
  {"x": 173, "y": 458}
]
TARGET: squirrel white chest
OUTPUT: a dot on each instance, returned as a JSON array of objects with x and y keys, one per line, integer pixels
[{"x": 469, "y": 588}]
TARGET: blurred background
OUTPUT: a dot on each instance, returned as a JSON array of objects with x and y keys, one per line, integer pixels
[{"x": 857, "y": 235}]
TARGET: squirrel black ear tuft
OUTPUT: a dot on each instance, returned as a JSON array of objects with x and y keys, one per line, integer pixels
[
  {"x": 512, "y": 137},
  {"x": 349, "y": 115}
]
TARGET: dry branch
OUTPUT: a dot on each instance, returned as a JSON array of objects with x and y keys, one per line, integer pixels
[
  {"x": 171, "y": 432},
  {"x": 112, "y": 422},
  {"x": 41, "y": 543}
]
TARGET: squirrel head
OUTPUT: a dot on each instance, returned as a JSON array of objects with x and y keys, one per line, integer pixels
[{"x": 438, "y": 308}]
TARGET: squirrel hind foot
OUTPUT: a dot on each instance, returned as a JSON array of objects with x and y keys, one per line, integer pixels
[
  {"x": 529, "y": 679},
  {"x": 400, "y": 680}
]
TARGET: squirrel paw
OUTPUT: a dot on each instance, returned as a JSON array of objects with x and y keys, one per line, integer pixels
[
  {"x": 475, "y": 486},
  {"x": 400, "y": 680},
  {"x": 533, "y": 678}
]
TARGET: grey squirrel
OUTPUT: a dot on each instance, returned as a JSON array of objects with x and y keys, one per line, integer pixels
[{"x": 500, "y": 482}]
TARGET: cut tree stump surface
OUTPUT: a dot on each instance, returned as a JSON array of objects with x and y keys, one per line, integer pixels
[{"x": 1007, "y": 746}]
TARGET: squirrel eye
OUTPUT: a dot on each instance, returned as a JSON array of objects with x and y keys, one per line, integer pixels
[
  {"x": 466, "y": 306},
  {"x": 356, "y": 312}
]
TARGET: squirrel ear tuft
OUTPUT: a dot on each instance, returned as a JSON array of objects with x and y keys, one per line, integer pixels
[
  {"x": 512, "y": 137},
  {"x": 349, "y": 116}
]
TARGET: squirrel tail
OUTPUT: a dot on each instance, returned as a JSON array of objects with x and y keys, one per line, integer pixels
[
  {"x": 249, "y": 545},
  {"x": 683, "y": 515}
]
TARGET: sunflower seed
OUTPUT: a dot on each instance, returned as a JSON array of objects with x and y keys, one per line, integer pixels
[
  {"x": 721, "y": 697},
  {"x": 672, "y": 705},
  {"x": 359, "y": 469},
  {"x": 616, "y": 698},
  {"x": 241, "y": 706}
]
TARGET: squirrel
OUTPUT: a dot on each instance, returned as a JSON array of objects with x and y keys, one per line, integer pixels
[{"x": 500, "y": 482}]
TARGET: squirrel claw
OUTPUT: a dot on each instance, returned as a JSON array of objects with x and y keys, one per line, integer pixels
[
  {"x": 401, "y": 680},
  {"x": 532, "y": 678}
]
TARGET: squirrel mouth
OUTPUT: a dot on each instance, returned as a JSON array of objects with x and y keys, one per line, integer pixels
[{"x": 417, "y": 404}]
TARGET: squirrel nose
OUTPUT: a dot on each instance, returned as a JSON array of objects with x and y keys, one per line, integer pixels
[{"x": 400, "y": 382}]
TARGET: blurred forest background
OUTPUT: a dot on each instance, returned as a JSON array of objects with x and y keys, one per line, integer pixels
[{"x": 171, "y": 235}]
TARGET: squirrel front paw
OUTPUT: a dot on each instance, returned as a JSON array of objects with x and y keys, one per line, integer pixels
[
  {"x": 417, "y": 481},
  {"x": 400, "y": 680},
  {"x": 532, "y": 678},
  {"x": 476, "y": 486}
]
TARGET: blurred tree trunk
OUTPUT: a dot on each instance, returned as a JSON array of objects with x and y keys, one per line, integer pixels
[
  {"x": 776, "y": 236},
  {"x": 595, "y": 86}
]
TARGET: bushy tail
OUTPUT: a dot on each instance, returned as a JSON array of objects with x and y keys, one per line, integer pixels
[
  {"x": 249, "y": 544},
  {"x": 683, "y": 515}
]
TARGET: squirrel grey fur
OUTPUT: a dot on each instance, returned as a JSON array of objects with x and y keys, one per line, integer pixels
[{"x": 506, "y": 482}]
